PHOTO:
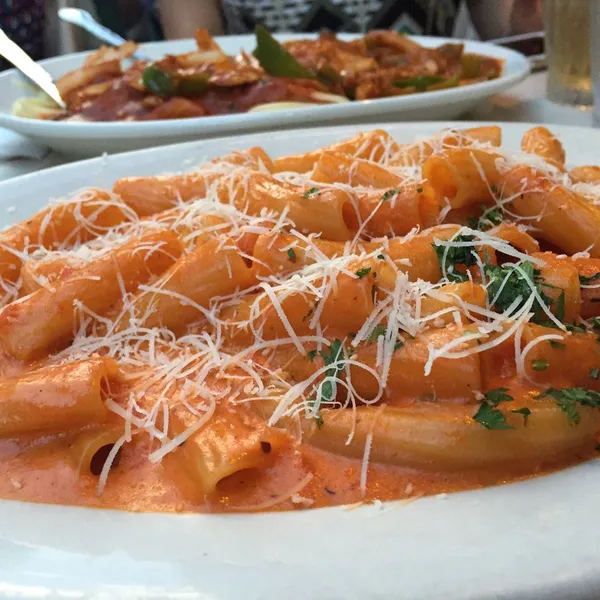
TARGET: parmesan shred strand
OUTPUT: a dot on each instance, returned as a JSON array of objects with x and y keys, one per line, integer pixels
[{"x": 364, "y": 468}]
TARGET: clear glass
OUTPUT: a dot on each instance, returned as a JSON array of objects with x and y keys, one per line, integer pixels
[
  {"x": 595, "y": 58},
  {"x": 567, "y": 27}
]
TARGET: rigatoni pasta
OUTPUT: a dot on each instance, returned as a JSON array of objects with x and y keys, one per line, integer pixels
[{"x": 371, "y": 320}]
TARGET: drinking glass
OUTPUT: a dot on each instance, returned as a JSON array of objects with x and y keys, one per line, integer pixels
[
  {"x": 567, "y": 27},
  {"x": 595, "y": 58}
]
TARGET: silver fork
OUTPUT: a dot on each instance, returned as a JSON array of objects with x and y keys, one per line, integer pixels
[{"x": 82, "y": 18}]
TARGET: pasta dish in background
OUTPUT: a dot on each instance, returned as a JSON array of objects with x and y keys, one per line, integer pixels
[
  {"x": 365, "y": 321},
  {"x": 298, "y": 73}
]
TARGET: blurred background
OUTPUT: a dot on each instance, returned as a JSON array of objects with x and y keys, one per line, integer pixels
[{"x": 33, "y": 23}]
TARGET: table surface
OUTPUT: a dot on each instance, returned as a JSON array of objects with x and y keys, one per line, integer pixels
[{"x": 525, "y": 102}]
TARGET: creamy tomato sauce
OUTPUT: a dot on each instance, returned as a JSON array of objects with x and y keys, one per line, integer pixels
[{"x": 44, "y": 471}]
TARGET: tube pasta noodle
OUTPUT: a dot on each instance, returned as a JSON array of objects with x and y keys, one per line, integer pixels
[
  {"x": 232, "y": 442},
  {"x": 46, "y": 318},
  {"x": 463, "y": 176},
  {"x": 90, "y": 447},
  {"x": 540, "y": 141},
  {"x": 262, "y": 331},
  {"x": 429, "y": 438},
  {"x": 565, "y": 217},
  {"x": 56, "y": 398},
  {"x": 151, "y": 195}
]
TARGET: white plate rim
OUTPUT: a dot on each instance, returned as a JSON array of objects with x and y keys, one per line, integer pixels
[{"x": 534, "y": 539}]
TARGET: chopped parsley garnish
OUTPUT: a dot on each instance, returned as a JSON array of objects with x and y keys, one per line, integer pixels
[
  {"x": 419, "y": 190},
  {"x": 540, "y": 364},
  {"x": 568, "y": 399},
  {"x": 398, "y": 345},
  {"x": 311, "y": 192},
  {"x": 591, "y": 279},
  {"x": 595, "y": 373},
  {"x": 363, "y": 272},
  {"x": 595, "y": 322},
  {"x": 334, "y": 357},
  {"x": 557, "y": 345},
  {"x": 494, "y": 189},
  {"x": 326, "y": 390},
  {"x": 506, "y": 284},
  {"x": 575, "y": 328},
  {"x": 311, "y": 355},
  {"x": 450, "y": 257},
  {"x": 389, "y": 194},
  {"x": 381, "y": 256},
  {"x": 291, "y": 255},
  {"x": 488, "y": 415},
  {"x": 378, "y": 331},
  {"x": 522, "y": 411},
  {"x": 489, "y": 217}
]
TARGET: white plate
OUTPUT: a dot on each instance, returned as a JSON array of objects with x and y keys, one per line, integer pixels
[
  {"x": 95, "y": 138},
  {"x": 538, "y": 539}
]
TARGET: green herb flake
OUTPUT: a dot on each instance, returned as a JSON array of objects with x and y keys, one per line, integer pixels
[
  {"x": 522, "y": 411},
  {"x": 389, "y": 194},
  {"x": 398, "y": 345},
  {"x": 363, "y": 272},
  {"x": 291, "y": 255},
  {"x": 540, "y": 364},
  {"x": 506, "y": 284},
  {"x": 450, "y": 257},
  {"x": 333, "y": 359},
  {"x": 569, "y": 399},
  {"x": 312, "y": 192},
  {"x": 595, "y": 373},
  {"x": 557, "y": 345},
  {"x": 575, "y": 328},
  {"x": 381, "y": 256},
  {"x": 319, "y": 421},
  {"x": 595, "y": 323},
  {"x": 587, "y": 280},
  {"x": 489, "y": 217},
  {"x": 488, "y": 415},
  {"x": 311, "y": 355},
  {"x": 378, "y": 331},
  {"x": 419, "y": 190}
]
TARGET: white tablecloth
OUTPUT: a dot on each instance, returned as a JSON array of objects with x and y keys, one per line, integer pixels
[{"x": 525, "y": 103}]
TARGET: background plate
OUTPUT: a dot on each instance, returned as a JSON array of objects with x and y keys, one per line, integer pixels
[
  {"x": 95, "y": 138},
  {"x": 538, "y": 539}
]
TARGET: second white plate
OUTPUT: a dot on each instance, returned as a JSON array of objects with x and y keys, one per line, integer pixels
[{"x": 95, "y": 138}]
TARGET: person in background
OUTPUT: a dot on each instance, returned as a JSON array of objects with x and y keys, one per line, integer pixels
[
  {"x": 23, "y": 21},
  {"x": 180, "y": 18}
]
